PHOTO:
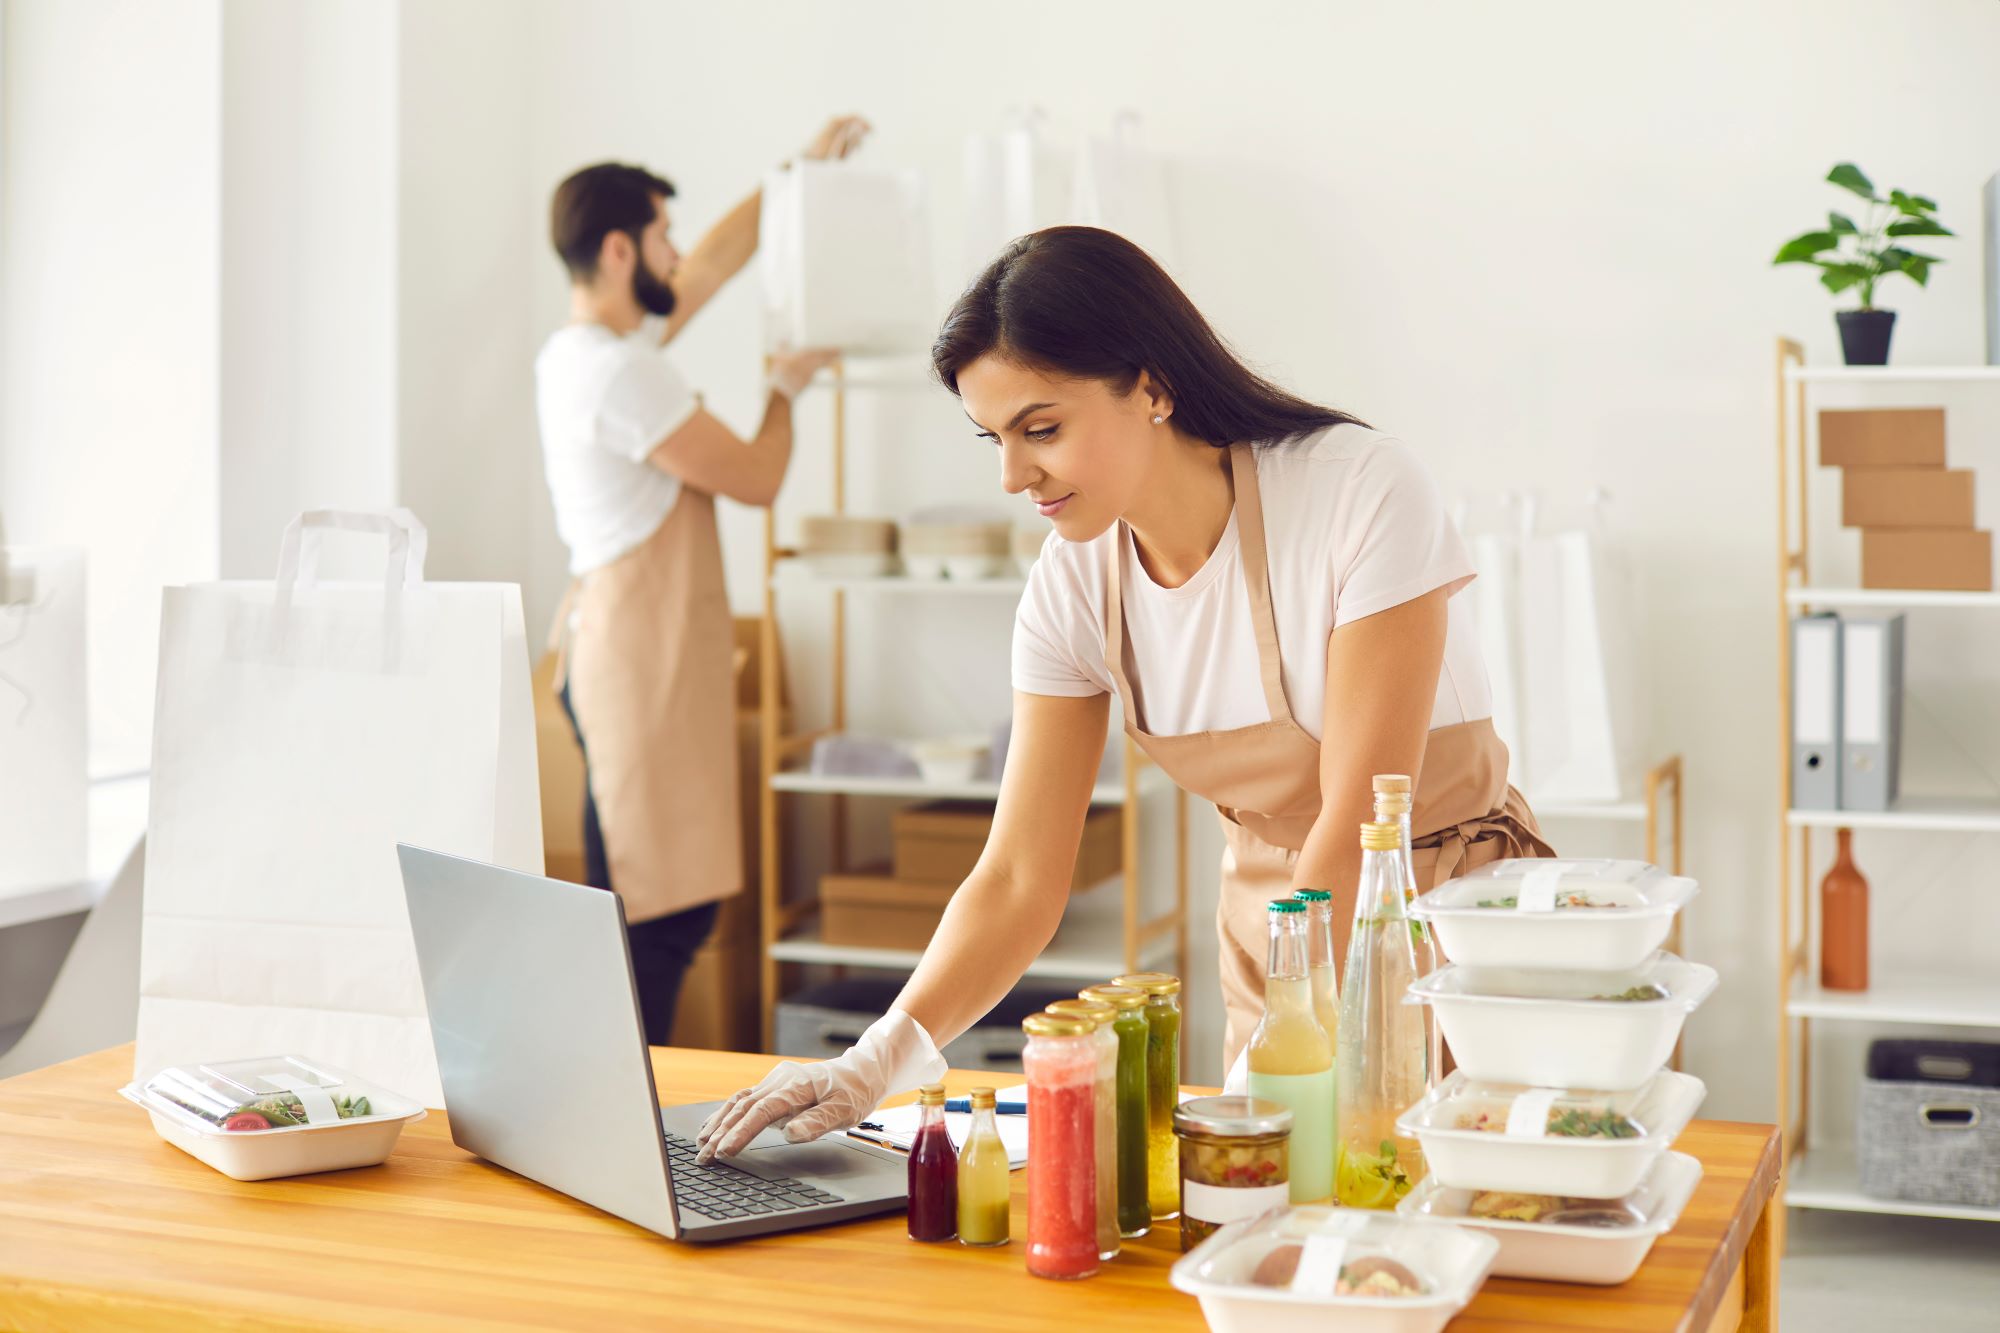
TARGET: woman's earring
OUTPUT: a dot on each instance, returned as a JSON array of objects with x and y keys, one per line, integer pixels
[{"x": 1157, "y": 420}]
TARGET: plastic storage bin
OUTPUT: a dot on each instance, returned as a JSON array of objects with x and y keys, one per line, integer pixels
[
  {"x": 1582, "y": 915},
  {"x": 1481, "y": 1136},
  {"x": 273, "y": 1116},
  {"x": 819, "y": 1022},
  {"x": 1561, "y": 1238},
  {"x": 1928, "y": 1123},
  {"x": 1449, "y": 1262},
  {"x": 1564, "y": 1029}
]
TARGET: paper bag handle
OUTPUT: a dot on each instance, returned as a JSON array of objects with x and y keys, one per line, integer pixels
[{"x": 298, "y": 554}]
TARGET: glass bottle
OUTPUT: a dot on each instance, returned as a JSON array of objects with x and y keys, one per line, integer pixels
[
  {"x": 1291, "y": 1061},
  {"x": 933, "y": 1171},
  {"x": 1235, "y": 1162},
  {"x": 1394, "y": 796},
  {"x": 1101, "y": 1016},
  {"x": 1163, "y": 1088},
  {"x": 1135, "y": 1208},
  {"x": 1383, "y": 1059},
  {"x": 985, "y": 1186},
  {"x": 1319, "y": 959},
  {"x": 1061, "y": 1063},
  {"x": 1843, "y": 921}
]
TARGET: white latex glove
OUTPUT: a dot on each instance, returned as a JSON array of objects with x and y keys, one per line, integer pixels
[
  {"x": 793, "y": 370},
  {"x": 894, "y": 1055},
  {"x": 1238, "y": 1080}
]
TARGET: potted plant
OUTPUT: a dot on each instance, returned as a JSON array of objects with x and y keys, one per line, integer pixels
[{"x": 1858, "y": 255}]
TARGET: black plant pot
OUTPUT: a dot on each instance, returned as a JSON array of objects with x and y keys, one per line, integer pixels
[{"x": 1864, "y": 336}]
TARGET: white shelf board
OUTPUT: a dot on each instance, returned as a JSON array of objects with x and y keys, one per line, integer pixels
[
  {"x": 1905, "y": 598},
  {"x": 1104, "y": 793},
  {"x": 1830, "y": 1177},
  {"x": 1891, "y": 374},
  {"x": 1920, "y": 814},
  {"x": 898, "y": 583},
  {"x": 1943, "y": 1001},
  {"x": 1617, "y": 812},
  {"x": 1087, "y": 949}
]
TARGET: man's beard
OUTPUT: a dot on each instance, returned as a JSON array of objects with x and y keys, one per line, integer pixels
[{"x": 654, "y": 296}]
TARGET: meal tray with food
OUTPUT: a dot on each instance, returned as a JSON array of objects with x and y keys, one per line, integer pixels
[{"x": 1595, "y": 915}]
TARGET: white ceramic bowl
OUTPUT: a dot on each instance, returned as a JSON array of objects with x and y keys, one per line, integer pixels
[
  {"x": 931, "y": 567},
  {"x": 1540, "y": 1163},
  {"x": 950, "y": 760},
  {"x": 1544, "y": 1028},
  {"x": 850, "y": 564},
  {"x": 973, "y": 568},
  {"x": 1603, "y": 938}
]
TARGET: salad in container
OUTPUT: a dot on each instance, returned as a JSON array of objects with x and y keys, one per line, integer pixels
[
  {"x": 1582, "y": 915},
  {"x": 273, "y": 1116}
]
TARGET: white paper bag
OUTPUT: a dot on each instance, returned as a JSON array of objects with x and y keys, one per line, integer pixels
[
  {"x": 1016, "y": 181},
  {"x": 844, "y": 250},
  {"x": 302, "y": 730},
  {"x": 1121, "y": 186},
  {"x": 44, "y": 778}
]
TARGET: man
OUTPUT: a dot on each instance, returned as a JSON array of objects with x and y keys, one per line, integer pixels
[{"x": 634, "y": 463}]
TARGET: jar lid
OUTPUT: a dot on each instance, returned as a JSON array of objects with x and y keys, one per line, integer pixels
[
  {"x": 1232, "y": 1117},
  {"x": 1118, "y": 997},
  {"x": 931, "y": 1094},
  {"x": 1312, "y": 895},
  {"x": 1153, "y": 983},
  {"x": 1380, "y": 837},
  {"x": 1056, "y": 1025},
  {"x": 1094, "y": 1012}
]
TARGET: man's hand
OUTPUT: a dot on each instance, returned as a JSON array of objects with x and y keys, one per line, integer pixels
[
  {"x": 792, "y": 370},
  {"x": 842, "y": 135}
]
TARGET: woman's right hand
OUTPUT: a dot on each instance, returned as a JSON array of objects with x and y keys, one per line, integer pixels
[{"x": 894, "y": 1055}]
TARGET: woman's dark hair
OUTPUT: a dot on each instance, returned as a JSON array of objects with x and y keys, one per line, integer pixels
[
  {"x": 1087, "y": 303},
  {"x": 596, "y": 201}
]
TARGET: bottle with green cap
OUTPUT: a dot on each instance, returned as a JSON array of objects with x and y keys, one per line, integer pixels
[
  {"x": 1291, "y": 1060},
  {"x": 1319, "y": 960}
]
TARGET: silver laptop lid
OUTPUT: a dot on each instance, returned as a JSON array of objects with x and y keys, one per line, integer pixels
[{"x": 536, "y": 1023}]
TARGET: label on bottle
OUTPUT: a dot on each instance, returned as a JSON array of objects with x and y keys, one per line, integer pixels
[
  {"x": 1538, "y": 889},
  {"x": 1223, "y": 1203},
  {"x": 1319, "y": 1266},
  {"x": 1528, "y": 1117}
]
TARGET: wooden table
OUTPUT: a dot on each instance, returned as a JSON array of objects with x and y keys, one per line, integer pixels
[{"x": 105, "y": 1227}]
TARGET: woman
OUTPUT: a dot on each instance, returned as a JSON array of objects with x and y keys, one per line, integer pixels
[{"x": 1267, "y": 586}]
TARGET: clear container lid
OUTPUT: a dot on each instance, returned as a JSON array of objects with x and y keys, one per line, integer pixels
[
  {"x": 1653, "y": 1113},
  {"x": 1664, "y": 979},
  {"x": 1317, "y": 1255},
  {"x": 1232, "y": 1117},
  {"x": 270, "y": 1093},
  {"x": 1561, "y": 886},
  {"x": 1651, "y": 1209}
]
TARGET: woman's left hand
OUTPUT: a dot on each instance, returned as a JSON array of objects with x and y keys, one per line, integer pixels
[{"x": 841, "y": 136}]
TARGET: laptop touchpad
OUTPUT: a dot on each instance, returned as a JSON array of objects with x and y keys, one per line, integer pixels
[{"x": 824, "y": 1161}]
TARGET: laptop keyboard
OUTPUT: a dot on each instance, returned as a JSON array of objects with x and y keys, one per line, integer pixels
[{"x": 721, "y": 1191}]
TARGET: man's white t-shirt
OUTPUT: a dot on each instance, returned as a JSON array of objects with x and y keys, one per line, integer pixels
[
  {"x": 605, "y": 401},
  {"x": 1354, "y": 524}
]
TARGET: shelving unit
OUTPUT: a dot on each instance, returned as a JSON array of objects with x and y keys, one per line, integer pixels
[
  {"x": 1826, "y": 1175},
  {"x": 1101, "y": 935}
]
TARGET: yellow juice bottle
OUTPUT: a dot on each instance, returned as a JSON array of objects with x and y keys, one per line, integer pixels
[
  {"x": 1291, "y": 1061},
  {"x": 1383, "y": 1056}
]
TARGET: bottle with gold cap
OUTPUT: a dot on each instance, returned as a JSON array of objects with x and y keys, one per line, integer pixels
[
  {"x": 1061, "y": 1062},
  {"x": 1101, "y": 1017},
  {"x": 1383, "y": 1062},
  {"x": 984, "y": 1180},
  {"x": 933, "y": 1171},
  {"x": 1163, "y": 1087},
  {"x": 1135, "y": 1208},
  {"x": 1291, "y": 1061},
  {"x": 1394, "y": 796}
]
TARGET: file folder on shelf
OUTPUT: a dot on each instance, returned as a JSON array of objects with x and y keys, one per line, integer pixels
[
  {"x": 1871, "y": 731},
  {"x": 1816, "y": 712}
]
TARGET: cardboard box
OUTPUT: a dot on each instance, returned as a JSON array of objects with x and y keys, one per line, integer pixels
[
  {"x": 939, "y": 843},
  {"x": 1927, "y": 558},
  {"x": 878, "y": 911},
  {"x": 1906, "y": 497},
  {"x": 1882, "y": 437}
]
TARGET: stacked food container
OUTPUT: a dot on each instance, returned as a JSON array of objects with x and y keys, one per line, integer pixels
[{"x": 1561, "y": 1011}]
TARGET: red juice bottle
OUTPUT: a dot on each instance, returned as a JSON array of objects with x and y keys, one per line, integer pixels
[
  {"x": 1061, "y": 1062},
  {"x": 933, "y": 1172}
]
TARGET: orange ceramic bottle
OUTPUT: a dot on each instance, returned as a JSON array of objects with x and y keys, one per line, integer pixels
[{"x": 1843, "y": 915}]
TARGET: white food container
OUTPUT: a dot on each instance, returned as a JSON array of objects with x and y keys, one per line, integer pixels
[
  {"x": 1536, "y": 917},
  {"x": 1598, "y": 1253},
  {"x": 315, "y": 1118},
  {"x": 1548, "y": 1029},
  {"x": 1519, "y": 1154},
  {"x": 1450, "y": 1261}
]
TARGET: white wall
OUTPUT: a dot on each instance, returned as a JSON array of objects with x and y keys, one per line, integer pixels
[
  {"x": 1532, "y": 239},
  {"x": 108, "y": 317}
]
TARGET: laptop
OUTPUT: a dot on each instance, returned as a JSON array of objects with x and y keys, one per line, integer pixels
[{"x": 543, "y": 1059}]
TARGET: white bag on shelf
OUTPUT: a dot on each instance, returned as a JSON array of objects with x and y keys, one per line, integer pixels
[
  {"x": 302, "y": 730},
  {"x": 844, "y": 251},
  {"x": 44, "y": 738},
  {"x": 1496, "y": 600},
  {"x": 1121, "y": 186},
  {"x": 1016, "y": 181}
]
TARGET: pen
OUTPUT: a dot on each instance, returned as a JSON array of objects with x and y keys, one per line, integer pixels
[{"x": 963, "y": 1105}]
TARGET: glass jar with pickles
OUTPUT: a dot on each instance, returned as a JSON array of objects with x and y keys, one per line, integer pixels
[
  {"x": 1135, "y": 1210},
  {"x": 1235, "y": 1161},
  {"x": 1163, "y": 1087}
]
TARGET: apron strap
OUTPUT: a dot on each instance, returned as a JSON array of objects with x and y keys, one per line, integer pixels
[
  {"x": 1257, "y": 578},
  {"x": 1114, "y": 626},
  {"x": 559, "y": 635},
  {"x": 1455, "y": 841}
]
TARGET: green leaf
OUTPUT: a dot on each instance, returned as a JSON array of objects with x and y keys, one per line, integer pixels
[
  {"x": 1919, "y": 227},
  {"x": 1839, "y": 277},
  {"x": 1840, "y": 224},
  {"x": 1913, "y": 204},
  {"x": 1848, "y": 177},
  {"x": 1801, "y": 249},
  {"x": 1917, "y": 266}
]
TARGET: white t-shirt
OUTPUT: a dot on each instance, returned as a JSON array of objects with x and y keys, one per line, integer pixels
[
  {"x": 1354, "y": 524},
  {"x": 604, "y": 402}
]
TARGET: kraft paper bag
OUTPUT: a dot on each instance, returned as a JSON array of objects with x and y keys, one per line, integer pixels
[
  {"x": 303, "y": 729},
  {"x": 844, "y": 251},
  {"x": 44, "y": 740}
]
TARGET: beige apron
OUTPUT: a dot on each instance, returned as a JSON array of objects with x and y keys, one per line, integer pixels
[
  {"x": 1264, "y": 781},
  {"x": 646, "y": 646}
]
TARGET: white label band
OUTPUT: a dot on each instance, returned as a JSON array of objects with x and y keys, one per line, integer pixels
[
  {"x": 1319, "y": 1266},
  {"x": 1528, "y": 1117},
  {"x": 1538, "y": 889},
  {"x": 1219, "y": 1204}
]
